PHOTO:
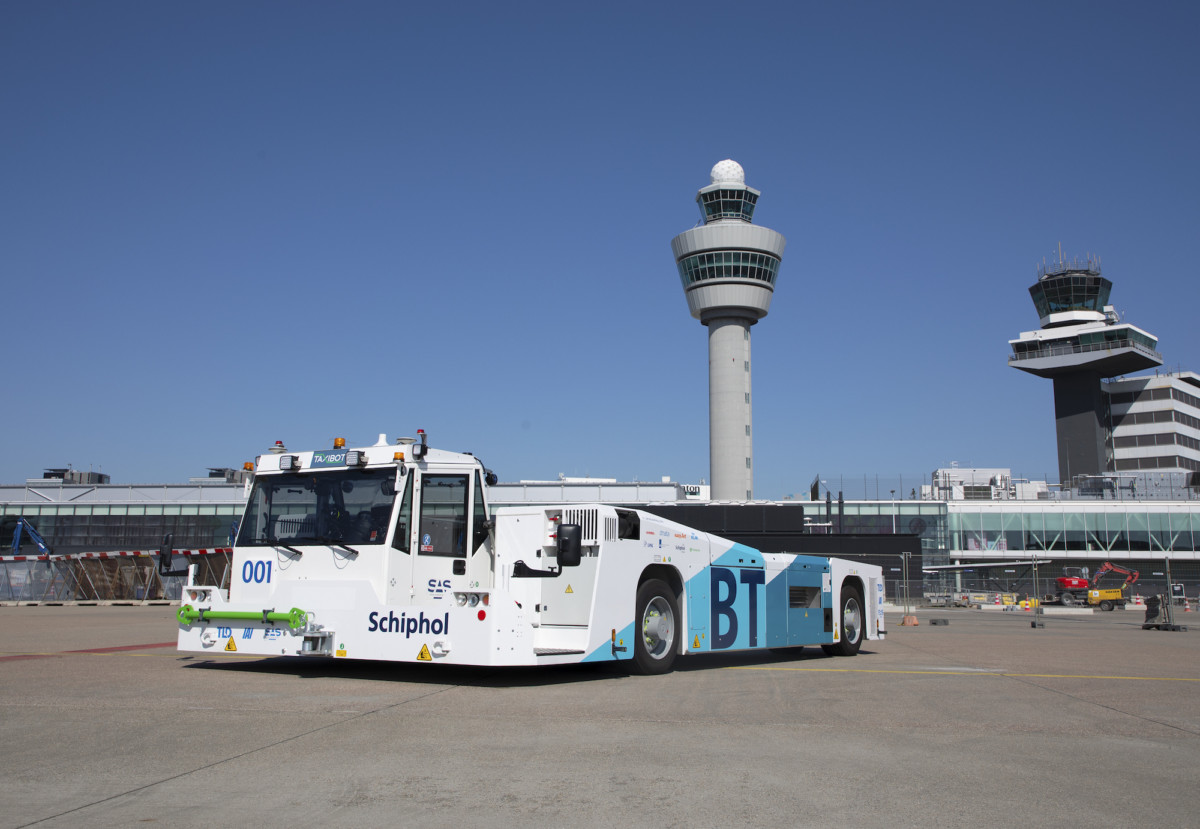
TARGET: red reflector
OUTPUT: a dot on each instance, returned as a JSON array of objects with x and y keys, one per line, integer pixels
[{"x": 482, "y": 615}]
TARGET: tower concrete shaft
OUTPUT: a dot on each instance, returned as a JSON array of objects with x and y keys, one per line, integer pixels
[
  {"x": 730, "y": 442},
  {"x": 728, "y": 267}
]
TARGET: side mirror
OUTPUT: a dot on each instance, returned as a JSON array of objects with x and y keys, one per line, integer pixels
[
  {"x": 570, "y": 543},
  {"x": 164, "y": 557}
]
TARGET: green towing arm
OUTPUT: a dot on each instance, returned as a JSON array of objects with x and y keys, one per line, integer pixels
[{"x": 295, "y": 618}]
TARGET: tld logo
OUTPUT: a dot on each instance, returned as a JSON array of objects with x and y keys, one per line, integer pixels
[{"x": 439, "y": 586}]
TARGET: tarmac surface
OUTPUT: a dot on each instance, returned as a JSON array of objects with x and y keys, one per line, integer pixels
[{"x": 1087, "y": 721}]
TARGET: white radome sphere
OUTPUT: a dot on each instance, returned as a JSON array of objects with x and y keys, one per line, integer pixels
[{"x": 728, "y": 172}]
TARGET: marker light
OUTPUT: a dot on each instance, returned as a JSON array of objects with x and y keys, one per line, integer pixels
[
  {"x": 339, "y": 443},
  {"x": 248, "y": 466},
  {"x": 278, "y": 448},
  {"x": 482, "y": 615},
  {"x": 398, "y": 457}
]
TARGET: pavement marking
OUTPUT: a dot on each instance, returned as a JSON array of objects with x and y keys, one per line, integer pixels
[
  {"x": 975, "y": 672},
  {"x": 126, "y": 648},
  {"x": 96, "y": 651}
]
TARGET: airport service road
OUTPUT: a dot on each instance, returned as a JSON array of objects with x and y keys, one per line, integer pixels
[{"x": 1090, "y": 720}]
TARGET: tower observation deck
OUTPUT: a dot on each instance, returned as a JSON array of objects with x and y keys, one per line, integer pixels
[
  {"x": 728, "y": 267},
  {"x": 1081, "y": 341}
]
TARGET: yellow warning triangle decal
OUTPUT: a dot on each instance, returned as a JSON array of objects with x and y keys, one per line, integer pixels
[
  {"x": 696, "y": 642},
  {"x": 424, "y": 656},
  {"x": 230, "y": 645},
  {"x": 569, "y": 590}
]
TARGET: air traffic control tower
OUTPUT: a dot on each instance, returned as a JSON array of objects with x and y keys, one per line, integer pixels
[
  {"x": 1081, "y": 341},
  {"x": 728, "y": 268}
]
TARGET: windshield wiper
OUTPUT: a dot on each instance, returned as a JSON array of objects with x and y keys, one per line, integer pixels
[
  {"x": 337, "y": 544},
  {"x": 320, "y": 539},
  {"x": 278, "y": 543}
]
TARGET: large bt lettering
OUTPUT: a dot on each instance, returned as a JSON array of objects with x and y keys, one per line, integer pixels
[{"x": 724, "y": 593}]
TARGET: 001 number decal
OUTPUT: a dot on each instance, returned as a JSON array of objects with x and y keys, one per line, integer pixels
[{"x": 257, "y": 572}]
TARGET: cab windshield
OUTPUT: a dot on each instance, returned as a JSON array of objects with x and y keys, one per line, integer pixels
[{"x": 341, "y": 506}]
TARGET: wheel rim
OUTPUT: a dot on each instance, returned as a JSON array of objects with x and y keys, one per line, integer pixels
[
  {"x": 658, "y": 627},
  {"x": 852, "y": 620}
]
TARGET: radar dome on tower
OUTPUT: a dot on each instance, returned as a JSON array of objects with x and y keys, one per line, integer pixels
[{"x": 727, "y": 172}]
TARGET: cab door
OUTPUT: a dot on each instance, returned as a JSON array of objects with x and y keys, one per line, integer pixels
[
  {"x": 440, "y": 562},
  {"x": 451, "y": 549},
  {"x": 400, "y": 554}
]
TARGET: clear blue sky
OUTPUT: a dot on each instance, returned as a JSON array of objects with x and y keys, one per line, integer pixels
[{"x": 223, "y": 224}]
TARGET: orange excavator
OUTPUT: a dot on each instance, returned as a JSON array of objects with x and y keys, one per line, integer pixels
[
  {"x": 1073, "y": 587},
  {"x": 1112, "y": 597}
]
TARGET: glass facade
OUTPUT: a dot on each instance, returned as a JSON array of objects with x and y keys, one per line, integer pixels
[
  {"x": 728, "y": 264},
  {"x": 728, "y": 204},
  {"x": 1118, "y": 337},
  {"x": 1119, "y": 533},
  {"x": 96, "y": 527},
  {"x": 1070, "y": 291},
  {"x": 1147, "y": 395}
]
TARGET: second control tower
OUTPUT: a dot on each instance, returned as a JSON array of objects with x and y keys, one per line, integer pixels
[
  {"x": 728, "y": 268},
  {"x": 1081, "y": 341}
]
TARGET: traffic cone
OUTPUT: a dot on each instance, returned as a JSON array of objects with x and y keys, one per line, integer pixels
[
  {"x": 1187, "y": 607},
  {"x": 1025, "y": 604},
  {"x": 997, "y": 599},
  {"x": 1137, "y": 601}
]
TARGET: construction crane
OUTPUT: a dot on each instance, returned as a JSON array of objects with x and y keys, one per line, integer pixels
[{"x": 25, "y": 528}]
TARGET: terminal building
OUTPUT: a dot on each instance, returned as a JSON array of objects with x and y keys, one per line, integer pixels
[{"x": 966, "y": 515}]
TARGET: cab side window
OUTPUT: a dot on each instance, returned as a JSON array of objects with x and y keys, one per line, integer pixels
[
  {"x": 443, "y": 528},
  {"x": 404, "y": 521},
  {"x": 479, "y": 531}
]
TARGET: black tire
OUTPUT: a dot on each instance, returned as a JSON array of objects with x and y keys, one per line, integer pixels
[
  {"x": 1106, "y": 605},
  {"x": 656, "y": 628},
  {"x": 1066, "y": 599},
  {"x": 852, "y": 619}
]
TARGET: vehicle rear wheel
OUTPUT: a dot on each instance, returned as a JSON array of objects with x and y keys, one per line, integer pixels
[
  {"x": 852, "y": 621},
  {"x": 1067, "y": 599},
  {"x": 1106, "y": 605},
  {"x": 656, "y": 634}
]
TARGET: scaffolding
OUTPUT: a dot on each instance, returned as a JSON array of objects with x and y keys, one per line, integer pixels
[{"x": 124, "y": 577}]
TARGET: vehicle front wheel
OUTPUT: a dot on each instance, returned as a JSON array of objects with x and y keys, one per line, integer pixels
[
  {"x": 1106, "y": 605},
  {"x": 853, "y": 620},
  {"x": 1067, "y": 599},
  {"x": 656, "y": 634}
]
